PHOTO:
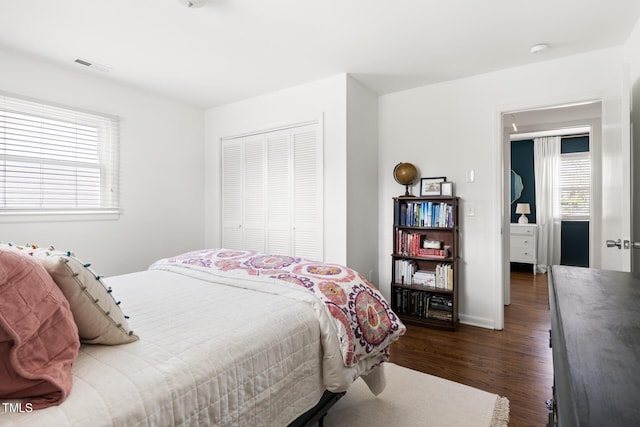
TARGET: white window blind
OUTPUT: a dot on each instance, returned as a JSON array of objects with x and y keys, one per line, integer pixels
[
  {"x": 575, "y": 184},
  {"x": 55, "y": 159}
]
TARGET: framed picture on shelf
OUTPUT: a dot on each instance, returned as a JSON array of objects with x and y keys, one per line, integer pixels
[
  {"x": 431, "y": 186},
  {"x": 446, "y": 188}
]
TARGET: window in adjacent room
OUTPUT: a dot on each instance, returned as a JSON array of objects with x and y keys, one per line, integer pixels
[
  {"x": 56, "y": 160},
  {"x": 575, "y": 184}
]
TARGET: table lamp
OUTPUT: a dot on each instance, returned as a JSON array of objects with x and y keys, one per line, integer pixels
[{"x": 523, "y": 209}]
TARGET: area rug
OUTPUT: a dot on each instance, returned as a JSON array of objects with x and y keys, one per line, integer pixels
[{"x": 412, "y": 398}]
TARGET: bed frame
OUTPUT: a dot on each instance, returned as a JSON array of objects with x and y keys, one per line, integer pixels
[{"x": 318, "y": 412}]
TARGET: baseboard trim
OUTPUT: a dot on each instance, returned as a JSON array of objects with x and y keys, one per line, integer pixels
[{"x": 481, "y": 322}]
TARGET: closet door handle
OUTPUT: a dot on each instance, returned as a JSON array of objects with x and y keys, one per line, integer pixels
[{"x": 612, "y": 243}]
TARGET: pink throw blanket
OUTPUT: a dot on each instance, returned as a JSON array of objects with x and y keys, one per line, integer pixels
[{"x": 38, "y": 336}]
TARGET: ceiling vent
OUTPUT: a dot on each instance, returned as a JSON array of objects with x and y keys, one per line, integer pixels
[{"x": 93, "y": 65}]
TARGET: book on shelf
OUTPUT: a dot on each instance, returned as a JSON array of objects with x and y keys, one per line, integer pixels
[{"x": 403, "y": 215}]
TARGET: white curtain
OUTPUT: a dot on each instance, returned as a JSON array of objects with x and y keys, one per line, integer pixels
[{"x": 546, "y": 155}]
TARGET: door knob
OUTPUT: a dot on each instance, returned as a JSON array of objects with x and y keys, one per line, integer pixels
[
  {"x": 626, "y": 244},
  {"x": 612, "y": 243}
]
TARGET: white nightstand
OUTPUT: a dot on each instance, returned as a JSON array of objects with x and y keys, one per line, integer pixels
[{"x": 524, "y": 244}]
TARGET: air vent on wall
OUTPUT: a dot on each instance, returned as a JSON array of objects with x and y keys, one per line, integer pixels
[{"x": 93, "y": 65}]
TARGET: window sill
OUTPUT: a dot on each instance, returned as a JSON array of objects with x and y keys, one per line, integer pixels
[{"x": 58, "y": 216}]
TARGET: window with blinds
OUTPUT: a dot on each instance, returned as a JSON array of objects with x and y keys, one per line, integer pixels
[
  {"x": 55, "y": 159},
  {"x": 575, "y": 184}
]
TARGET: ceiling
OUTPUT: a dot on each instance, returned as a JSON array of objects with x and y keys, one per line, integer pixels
[{"x": 230, "y": 50}]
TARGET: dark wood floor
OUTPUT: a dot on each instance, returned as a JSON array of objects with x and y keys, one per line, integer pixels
[{"x": 515, "y": 362}]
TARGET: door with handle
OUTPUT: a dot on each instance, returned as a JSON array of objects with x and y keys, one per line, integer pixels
[
  {"x": 623, "y": 209},
  {"x": 635, "y": 175}
]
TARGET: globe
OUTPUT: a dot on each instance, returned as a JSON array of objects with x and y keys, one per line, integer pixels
[{"x": 405, "y": 174}]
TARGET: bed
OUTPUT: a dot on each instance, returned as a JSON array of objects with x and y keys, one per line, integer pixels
[{"x": 226, "y": 337}]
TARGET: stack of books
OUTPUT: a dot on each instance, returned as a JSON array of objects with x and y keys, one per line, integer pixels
[
  {"x": 440, "y": 307},
  {"x": 432, "y": 253},
  {"x": 425, "y": 278}
]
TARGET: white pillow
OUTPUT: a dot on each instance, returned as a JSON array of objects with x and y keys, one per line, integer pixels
[
  {"x": 96, "y": 313},
  {"x": 27, "y": 249}
]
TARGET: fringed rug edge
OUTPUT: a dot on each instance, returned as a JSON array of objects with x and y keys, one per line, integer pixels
[{"x": 500, "y": 413}]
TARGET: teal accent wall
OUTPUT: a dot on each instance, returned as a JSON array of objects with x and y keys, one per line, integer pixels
[
  {"x": 574, "y": 243},
  {"x": 574, "y": 234},
  {"x": 522, "y": 164}
]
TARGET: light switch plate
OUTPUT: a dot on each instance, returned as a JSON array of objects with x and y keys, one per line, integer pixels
[
  {"x": 470, "y": 208},
  {"x": 471, "y": 175}
]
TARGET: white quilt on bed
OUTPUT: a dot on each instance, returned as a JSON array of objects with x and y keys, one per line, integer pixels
[
  {"x": 357, "y": 324},
  {"x": 189, "y": 367}
]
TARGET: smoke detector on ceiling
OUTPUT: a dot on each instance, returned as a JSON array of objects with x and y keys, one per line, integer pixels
[
  {"x": 538, "y": 48},
  {"x": 192, "y": 3}
]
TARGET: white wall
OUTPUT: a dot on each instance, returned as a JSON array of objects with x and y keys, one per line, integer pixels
[
  {"x": 449, "y": 128},
  {"x": 632, "y": 53},
  {"x": 160, "y": 163},
  {"x": 362, "y": 180},
  {"x": 324, "y": 98}
]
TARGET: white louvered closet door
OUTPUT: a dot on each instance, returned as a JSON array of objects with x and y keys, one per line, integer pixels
[
  {"x": 254, "y": 193},
  {"x": 272, "y": 192},
  {"x": 307, "y": 194},
  {"x": 279, "y": 191},
  {"x": 232, "y": 194}
]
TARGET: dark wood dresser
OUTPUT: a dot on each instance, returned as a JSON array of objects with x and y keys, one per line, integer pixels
[{"x": 595, "y": 338}]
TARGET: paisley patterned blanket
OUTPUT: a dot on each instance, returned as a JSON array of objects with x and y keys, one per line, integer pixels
[{"x": 347, "y": 305}]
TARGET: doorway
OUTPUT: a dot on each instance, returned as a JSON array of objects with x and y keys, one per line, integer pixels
[
  {"x": 577, "y": 118},
  {"x": 635, "y": 181}
]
